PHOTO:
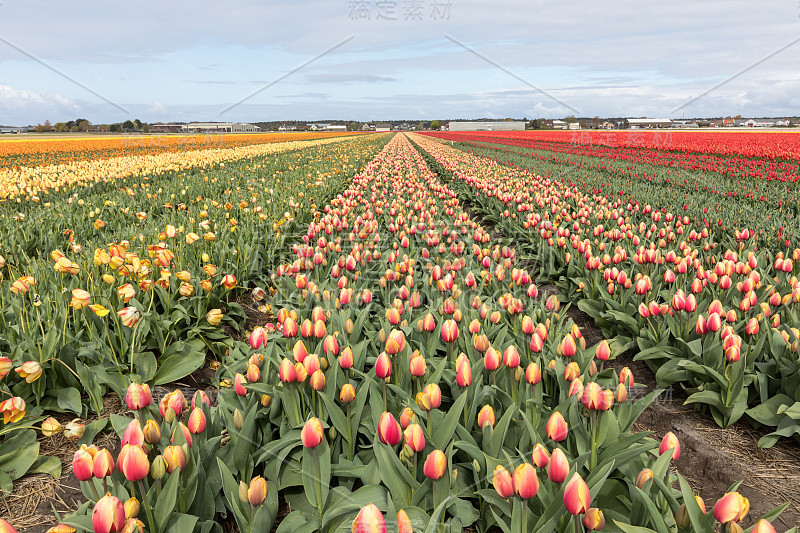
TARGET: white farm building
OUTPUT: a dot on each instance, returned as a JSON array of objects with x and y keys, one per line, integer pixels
[
  {"x": 219, "y": 127},
  {"x": 503, "y": 125}
]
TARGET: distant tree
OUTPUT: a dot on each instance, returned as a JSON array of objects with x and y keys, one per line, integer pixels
[
  {"x": 74, "y": 129},
  {"x": 538, "y": 124},
  {"x": 420, "y": 126},
  {"x": 738, "y": 117},
  {"x": 570, "y": 119},
  {"x": 69, "y": 124},
  {"x": 435, "y": 125},
  {"x": 127, "y": 125},
  {"x": 354, "y": 126},
  {"x": 137, "y": 124},
  {"x": 60, "y": 127},
  {"x": 82, "y": 125},
  {"x": 115, "y": 127}
]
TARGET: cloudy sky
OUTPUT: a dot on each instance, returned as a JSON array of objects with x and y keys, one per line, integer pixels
[{"x": 368, "y": 60}]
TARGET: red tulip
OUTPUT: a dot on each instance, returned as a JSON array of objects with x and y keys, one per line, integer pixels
[
  {"x": 732, "y": 507},
  {"x": 556, "y": 427},
  {"x": 108, "y": 515},
  {"x": 287, "y": 371},
  {"x": 511, "y": 357},
  {"x": 417, "y": 366},
  {"x": 134, "y": 463},
  {"x": 558, "y": 467},
  {"x": 414, "y": 437},
  {"x": 603, "y": 351},
  {"x": 486, "y": 416},
  {"x": 502, "y": 482},
  {"x": 576, "y": 495},
  {"x": 567, "y": 346},
  {"x": 239, "y": 385},
  {"x": 670, "y": 442},
  {"x": 369, "y": 520},
  {"x": 389, "y": 431},
  {"x": 383, "y": 366},
  {"x": 346, "y": 359},
  {"x": 5, "y": 527},
  {"x": 533, "y": 374},
  {"x": 404, "y": 523},
  {"x": 83, "y": 462},
  {"x": 258, "y": 338},
  {"x": 103, "y": 464},
  {"x": 449, "y": 331},
  {"x": 313, "y": 433},
  {"x": 491, "y": 359},
  {"x": 526, "y": 484},
  {"x": 435, "y": 465},
  {"x": 138, "y": 396},
  {"x": 540, "y": 457},
  {"x": 197, "y": 421}
]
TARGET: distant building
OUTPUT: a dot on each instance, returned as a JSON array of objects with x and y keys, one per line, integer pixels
[
  {"x": 501, "y": 125},
  {"x": 367, "y": 127},
  {"x": 758, "y": 123},
  {"x": 326, "y": 127},
  {"x": 728, "y": 122},
  {"x": 7, "y": 129},
  {"x": 166, "y": 128},
  {"x": 383, "y": 126},
  {"x": 219, "y": 127},
  {"x": 284, "y": 127},
  {"x": 559, "y": 125},
  {"x": 648, "y": 123}
]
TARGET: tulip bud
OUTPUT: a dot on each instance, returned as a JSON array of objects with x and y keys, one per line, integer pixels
[
  {"x": 414, "y": 438},
  {"x": 151, "y": 432},
  {"x": 732, "y": 507},
  {"x": 159, "y": 468},
  {"x": 238, "y": 419},
  {"x": 243, "y": 492},
  {"x": 266, "y": 400},
  {"x": 257, "y": 491},
  {"x": 347, "y": 394},
  {"x": 132, "y": 507},
  {"x": 594, "y": 519},
  {"x": 486, "y": 416},
  {"x": 435, "y": 465},
  {"x": 644, "y": 476}
]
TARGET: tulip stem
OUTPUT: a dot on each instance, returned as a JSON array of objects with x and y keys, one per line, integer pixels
[
  {"x": 349, "y": 434},
  {"x": 94, "y": 490},
  {"x": 593, "y": 460},
  {"x": 383, "y": 382},
  {"x": 320, "y": 503},
  {"x": 578, "y": 527},
  {"x": 151, "y": 524}
]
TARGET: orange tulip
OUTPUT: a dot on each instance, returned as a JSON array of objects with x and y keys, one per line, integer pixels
[
  {"x": 347, "y": 394},
  {"x": 449, "y": 331},
  {"x": 174, "y": 457},
  {"x": 383, "y": 366},
  {"x": 404, "y": 523},
  {"x": 257, "y": 491}
]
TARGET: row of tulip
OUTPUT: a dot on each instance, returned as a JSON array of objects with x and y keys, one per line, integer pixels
[
  {"x": 728, "y": 193},
  {"x": 414, "y": 373},
  {"x": 36, "y": 182},
  {"x": 133, "y": 279},
  {"x": 708, "y": 310},
  {"x": 28, "y": 152}
]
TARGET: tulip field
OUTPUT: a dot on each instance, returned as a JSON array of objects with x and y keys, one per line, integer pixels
[{"x": 377, "y": 328}]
